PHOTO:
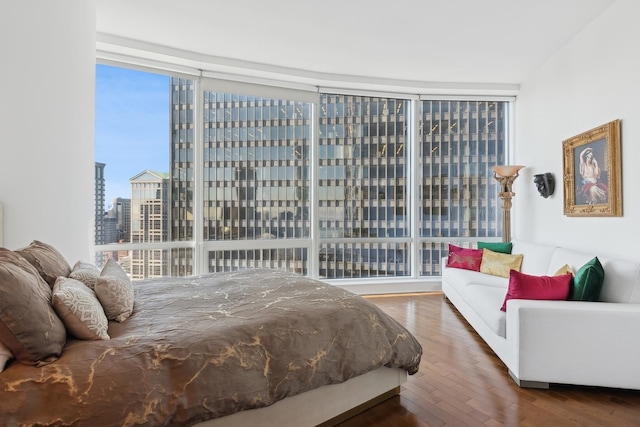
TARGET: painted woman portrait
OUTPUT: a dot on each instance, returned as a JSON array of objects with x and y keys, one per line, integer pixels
[{"x": 592, "y": 186}]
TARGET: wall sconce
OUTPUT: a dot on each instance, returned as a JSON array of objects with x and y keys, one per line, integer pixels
[
  {"x": 545, "y": 183},
  {"x": 505, "y": 175}
]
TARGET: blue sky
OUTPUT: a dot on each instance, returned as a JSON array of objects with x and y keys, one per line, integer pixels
[{"x": 132, "y": 126}]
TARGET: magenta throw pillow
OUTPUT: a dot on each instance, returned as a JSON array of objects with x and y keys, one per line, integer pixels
[
  {"x": 525, "y": 286},
  {"x": 469, "y": 259}
]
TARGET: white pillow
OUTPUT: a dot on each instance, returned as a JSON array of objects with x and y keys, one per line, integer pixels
[{"x": 79, "y": 309}]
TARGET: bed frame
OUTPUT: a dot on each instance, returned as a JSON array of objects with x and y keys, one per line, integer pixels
[{"x": 324, "y": 406}]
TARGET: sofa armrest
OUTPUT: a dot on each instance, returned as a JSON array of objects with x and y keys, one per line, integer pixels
[{"x": 571, "y": 342}]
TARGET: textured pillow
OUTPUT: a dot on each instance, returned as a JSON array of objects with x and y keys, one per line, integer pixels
[
  {"x": 498, "y": 264},
  {"x": 47, "y": 260},
  {"x": 468, "y": 259},
  {"x": 502, "y": 247},
  {"x": 79, "y": 309},
  {"x": 587, "y": 282},
  {"x": 5, "y": 355},
  {"x": 115, "y": 291},
  {"x": 29, "y": 327},
  {"x": 86, "y": 273},
  {"x": 565, "y": 269},
  {"x": 525, "y": 286}
]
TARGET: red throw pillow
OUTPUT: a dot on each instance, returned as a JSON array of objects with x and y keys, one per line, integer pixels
[
  {"x": 469, "y": 259},
  {"x": 525, "y": 286}
]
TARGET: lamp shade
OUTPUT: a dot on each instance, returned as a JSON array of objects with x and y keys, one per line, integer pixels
[{"x": 507, "y": 170}]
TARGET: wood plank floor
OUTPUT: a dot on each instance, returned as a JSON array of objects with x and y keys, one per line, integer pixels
[{"x": 462, "y": 383}]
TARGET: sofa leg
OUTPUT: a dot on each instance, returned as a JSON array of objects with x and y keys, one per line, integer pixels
[{"x": 528, "y": 384}]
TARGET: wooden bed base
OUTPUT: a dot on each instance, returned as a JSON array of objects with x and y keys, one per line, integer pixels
[{"x": 325, "y": 406}]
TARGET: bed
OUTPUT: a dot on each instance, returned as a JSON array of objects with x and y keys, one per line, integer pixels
[{"x": 250, "y": 347}]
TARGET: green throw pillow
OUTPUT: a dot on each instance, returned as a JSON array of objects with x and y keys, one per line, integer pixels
[
  {"x": 587, "y": 282},
  {"x": 504, "y": 248}
]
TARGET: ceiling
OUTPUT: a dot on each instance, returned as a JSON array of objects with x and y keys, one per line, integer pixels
[{"x": 446, "y": 41}]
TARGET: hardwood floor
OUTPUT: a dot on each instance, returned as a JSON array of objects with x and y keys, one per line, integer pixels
[{"x": 462, "y": 383}]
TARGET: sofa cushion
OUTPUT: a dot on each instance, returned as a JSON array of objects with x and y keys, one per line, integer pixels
[
  {"x": 537, "y": 257},
  {"x": 499, "y": 264},
  {"x": 468, "y": 259},
  {"x": 563, "y": 256},
  {"x": 458, "y": 278},
  {"x": 502, "y": 247},
  {"x": 526, "y": 286},
  {"x": 587, "y": 282},
  {"x": 622, "y": 281},
  {"x": 485, "y": 301}
]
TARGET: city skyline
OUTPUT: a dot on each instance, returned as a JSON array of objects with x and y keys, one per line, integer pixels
[{"x": 132, "y": 126}]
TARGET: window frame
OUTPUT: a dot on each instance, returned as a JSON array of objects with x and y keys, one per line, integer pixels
[{"x": 264, "y": 87}]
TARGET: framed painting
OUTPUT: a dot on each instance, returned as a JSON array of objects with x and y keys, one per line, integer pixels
[{"x": 591, "y": 171}]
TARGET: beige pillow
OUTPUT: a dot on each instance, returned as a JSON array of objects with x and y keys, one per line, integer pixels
[
  {"x": 47, "y": 260},
  {"x": 565, "y": 269},
  {"x": 29, "y": 327},
  {"x": 115, "y": 291},
  {"x": 79, "y": 309},
  {"x": 499, "y": 264},
  {"x": 86, "y": 273}
]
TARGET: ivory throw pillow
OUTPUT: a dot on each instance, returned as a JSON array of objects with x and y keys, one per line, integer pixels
[
  {"x": 115, "y": 291},
  {"x": 79, "y": 309},
  {"x": 499, "y": 264}
]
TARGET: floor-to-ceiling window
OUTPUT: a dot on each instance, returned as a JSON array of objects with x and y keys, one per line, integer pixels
[
  {"x": 330, "y": 185},
  {"x": 363, "y": 186}
]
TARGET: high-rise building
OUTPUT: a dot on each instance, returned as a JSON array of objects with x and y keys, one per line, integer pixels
[
  {"x": 99, "y": 192},
  {"x": 149, "y": 219},
  {"x": 118, "y": 221},
  {"x": 257, "y": 178}
]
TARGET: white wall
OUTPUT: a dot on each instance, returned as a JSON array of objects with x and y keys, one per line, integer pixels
[
  {"x": 589, "y": 82},
  {"x": 47, "y": 119}
]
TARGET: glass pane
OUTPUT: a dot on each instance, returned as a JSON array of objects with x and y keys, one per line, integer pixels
[
  {"x": 460, "y": 143},
  {"x": 290, "y": 259},
  {"x": 362, "y": 188},
  {"x": 152, "y": 263},
  {"x": 256, "y": 171},
  {"x": 350, "y": 260},
  {"x": 144, "y": 171}
]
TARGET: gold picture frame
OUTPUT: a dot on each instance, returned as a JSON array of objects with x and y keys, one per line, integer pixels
[{"x": 591, "y": 171}]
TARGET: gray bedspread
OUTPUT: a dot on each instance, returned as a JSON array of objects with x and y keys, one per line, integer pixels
[{"x": 204, "y": 347}]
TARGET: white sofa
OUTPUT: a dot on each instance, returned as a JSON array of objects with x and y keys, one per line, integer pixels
[{"x": 567, "y": 342}]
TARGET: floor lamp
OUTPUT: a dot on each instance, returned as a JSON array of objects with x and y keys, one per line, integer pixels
[{"x": 505, "y": 175}]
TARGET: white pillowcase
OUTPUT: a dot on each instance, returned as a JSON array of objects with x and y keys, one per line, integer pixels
[{"x": 79, "y": 309}]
